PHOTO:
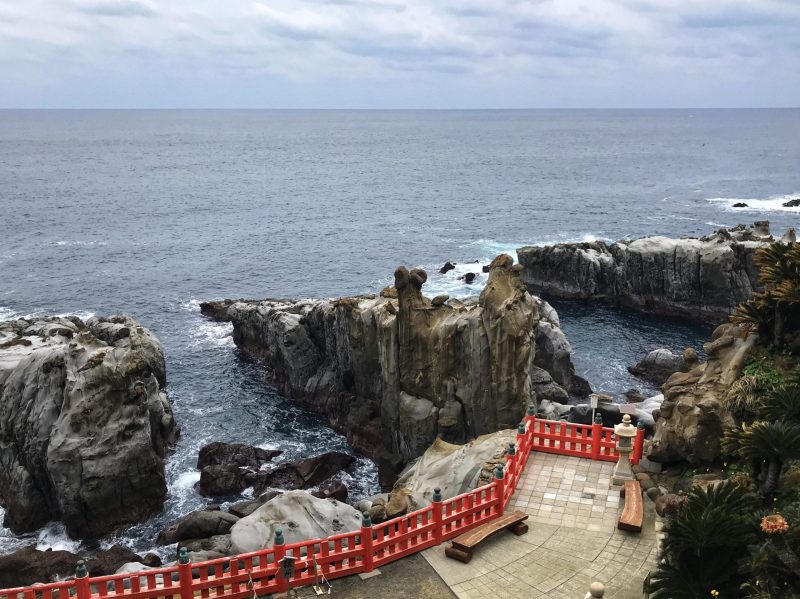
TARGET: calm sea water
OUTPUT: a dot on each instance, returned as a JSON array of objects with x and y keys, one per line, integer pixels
[{"x": 149, "y": 212}]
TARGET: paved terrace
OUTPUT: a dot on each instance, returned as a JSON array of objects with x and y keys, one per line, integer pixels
[{"x": 573, "y": 539}]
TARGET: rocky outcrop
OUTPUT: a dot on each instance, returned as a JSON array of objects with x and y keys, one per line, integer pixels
[
  {"x": 396, "y": 371},
  {"x": 229, "y": 468},
  {"x": 198, "y": 525},
  {"x": 702, "y": 279},
  {"x": 455, "y": 469},
  {"x": 660, "y": 364},
  {"x": 693, "y": 415},
  {"x": 301, "y": 516},
  {"x": 29, "y": 566},
  {"x": 84, "y": 424}
]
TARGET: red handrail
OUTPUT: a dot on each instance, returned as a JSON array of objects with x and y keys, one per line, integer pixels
[{"x": 352, "y": 552}]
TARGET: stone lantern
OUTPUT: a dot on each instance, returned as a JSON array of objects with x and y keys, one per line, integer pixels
[{"x": 625, "y": 433}]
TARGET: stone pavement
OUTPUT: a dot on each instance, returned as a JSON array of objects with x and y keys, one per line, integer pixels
[{"x": 573, "y": 539}]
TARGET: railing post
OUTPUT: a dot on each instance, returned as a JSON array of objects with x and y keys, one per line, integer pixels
[
  {"x": 521, "y": 436},
  {"x": 82, "y": 589},
  {"x": 185, "y": 574},
  {"x": 280, "y": 552},
  {"x": 638, "y": 443},
  {"x": 499, "y": 489},
  {"x": 366, "y": 541},
  {"x": 436, "y": 503},
  {"x": 597, "y": 436}
]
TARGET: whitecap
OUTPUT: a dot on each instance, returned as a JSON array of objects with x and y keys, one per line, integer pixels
[
  {"x": 212, "y": 334},
  {"x": 772, "y": 204},
  {"x": 7, "y": 313},
  {"x": 54, "y": 536},
  {"x": 185, "y": 481}
]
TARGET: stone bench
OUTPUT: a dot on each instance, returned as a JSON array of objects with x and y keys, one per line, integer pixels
[{"x": 461, "y": 547}]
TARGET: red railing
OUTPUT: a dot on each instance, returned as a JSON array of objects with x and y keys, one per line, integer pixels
[{"x": 372, "y": 546}]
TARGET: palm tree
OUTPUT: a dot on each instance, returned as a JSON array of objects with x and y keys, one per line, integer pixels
[
  {"x": 782, "y": 403},
  {"x": 704, "y": 542},
  {"x": 771, "y": 310},
  {"x": 767, "y": 446}
]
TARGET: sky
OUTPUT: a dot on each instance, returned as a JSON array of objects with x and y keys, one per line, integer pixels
[{"x": 399, "y": 53}]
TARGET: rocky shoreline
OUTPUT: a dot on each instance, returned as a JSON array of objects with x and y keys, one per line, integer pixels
[
  {"x": 703, "y": 279},
  {"x": 396, "y": 371}
]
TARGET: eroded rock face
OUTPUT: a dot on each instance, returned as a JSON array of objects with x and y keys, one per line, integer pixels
[
  {"x": 693, "y": 415},
  {"x": 455, "y": 469},
  {"x": 703, "y": 278},
  {"x": 395, "y": 374},
  {"x": 84, "y": 425}
]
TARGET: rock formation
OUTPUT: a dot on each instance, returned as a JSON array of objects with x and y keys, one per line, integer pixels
[
  {"x": 395, "y": 374},
  {"x": 702, "y": 279},
  {"x": 660, "y": 364},
  {"x": 693, "y": 414},
  {"x": 84, "y": 425},
  {"x": 301, "y": 516}
]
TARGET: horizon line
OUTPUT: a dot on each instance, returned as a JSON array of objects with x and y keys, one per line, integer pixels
[{"x": 333, "y": 109}]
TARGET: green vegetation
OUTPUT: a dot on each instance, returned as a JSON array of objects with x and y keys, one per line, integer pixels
[
  {"x": 775, "y": 311},
  {"x": 741, "y": 537}
]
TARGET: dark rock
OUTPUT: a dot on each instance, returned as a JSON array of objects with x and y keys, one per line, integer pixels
[
  {"x": 234, "y": 454},
  {"x": 110, "y": 560},
  {"x": 659, "y": 365},
  {"x": 792, "y": 203},
  {"x": 669, "y": 505},
  {"x": 334, "y": 490},
  {"x": 216, "y": 481},
  {"x": 485, "y": 268},
  {"x": 197, "y": 525},
  {"x": 303, "y": 474},
  {"x": 469, "y": 277},
  {"x": 740, "y": 205},
  {"x": 634, "y": 396},
  {"x": 439, "y": 300},
  {"x": 247, "y": 507},
  {"x": 29, "y": 566},
  {"x": 448, "y": 266},
  {"x": 151, "y": 560}
]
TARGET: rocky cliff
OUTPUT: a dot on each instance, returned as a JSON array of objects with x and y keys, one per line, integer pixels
[
  {"x": 84, "y": 424},
  {"x": 694, "y": 414},
  {"x": 702, "y": 279},
  {"x": 396, "y": 371}
]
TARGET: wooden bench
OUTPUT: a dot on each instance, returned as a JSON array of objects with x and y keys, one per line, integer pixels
[
  {"x": 633, "y": 512},
  {"x": 462, "y": 546}
]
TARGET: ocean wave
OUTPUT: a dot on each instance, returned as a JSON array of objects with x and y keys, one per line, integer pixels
[
  {"x": 772, "y": 204},
  {"x": 70, "y": 243}
]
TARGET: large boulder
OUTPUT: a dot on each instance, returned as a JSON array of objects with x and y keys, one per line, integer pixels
[
  {"x": 109, "y": 561},
  {"x": 660, "y": 364},
  {"x": 455, "y": 469},
  {"x": 234, "y": 454},
  {"x": 84, "y": 424},
  {"x": 29, "y": 566},
  {"x": 396, "y": 373},
  {"x": 703, "y": 279},
  {"x": 303, "y": 474},
  {"x": 198, "y": 525},
  {"x": 693, "y": 414},
  {"x": 554, "y": 354},
  {"x": 301, "y": 516}
]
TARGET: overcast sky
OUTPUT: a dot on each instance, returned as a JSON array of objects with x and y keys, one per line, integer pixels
[{"x": 399, "y": 53}]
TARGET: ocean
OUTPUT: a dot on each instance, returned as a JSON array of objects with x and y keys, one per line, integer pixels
[{"x": 151, "y": 212}]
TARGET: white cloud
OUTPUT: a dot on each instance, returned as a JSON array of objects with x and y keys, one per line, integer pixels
[{"x": 498, "y": 51}]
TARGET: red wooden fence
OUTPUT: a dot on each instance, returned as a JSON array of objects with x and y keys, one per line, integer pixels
[{"x": 372, "y": 546}]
